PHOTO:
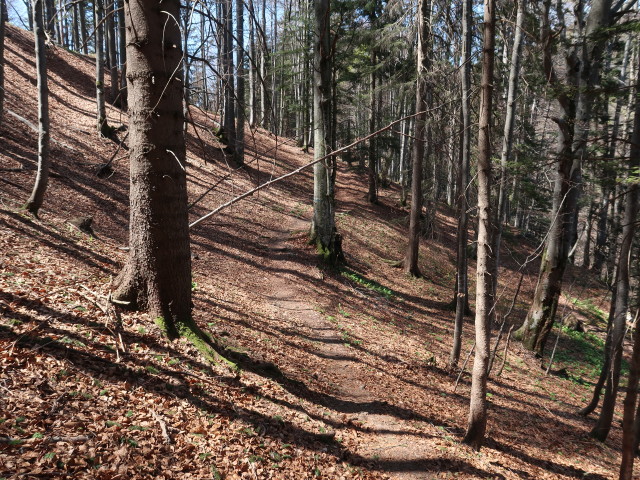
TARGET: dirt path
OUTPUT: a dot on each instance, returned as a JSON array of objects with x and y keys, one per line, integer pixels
[{"x": 394, "y": 443}]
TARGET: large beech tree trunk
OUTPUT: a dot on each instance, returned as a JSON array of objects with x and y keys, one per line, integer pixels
[
  {"x": 417, "y": 153},
  {"x": 477, "y": 423},
  {"x": 323, "y": 229},
  {"x": 157, "y": 275},
  {"x": 42, "y": 175},
  {"x": 461, "y": 299}
]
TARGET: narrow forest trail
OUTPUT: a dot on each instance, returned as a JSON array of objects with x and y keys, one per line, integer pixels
[{"x": 396, "y": 446}]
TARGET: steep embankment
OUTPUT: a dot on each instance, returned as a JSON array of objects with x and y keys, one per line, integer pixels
[{"x": 360, "y": 389}]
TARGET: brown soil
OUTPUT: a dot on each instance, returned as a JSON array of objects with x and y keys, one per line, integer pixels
[{"x": 343, "y": 373}]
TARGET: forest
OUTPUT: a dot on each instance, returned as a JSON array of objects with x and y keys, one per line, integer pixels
[{"x": 383, "y": 239}]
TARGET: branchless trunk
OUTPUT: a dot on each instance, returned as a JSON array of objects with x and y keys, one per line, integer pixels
[
  {"x": 507, "y": 140},
  {"x": 417, "y": 152},
  {"x": 42, "y": 175},
  {"x": 2, "y": 20},
  {"x": 83, "y": 28},
  {"x": 461, "y": 299},
  {"x": 240, "y": 107},
  {"x": 372, "y": 194},
  {"x": 102, "y": 125},
  {"x": 323, "y": 230},
  {"x": 477, "y": 423},
  {"x": 157, "y": 275},
  {"x": 601, "y": 429},
  {"x": 111, "y": 51},
  {"x": 122, "y": 55},
  {"x": 229, "y": 122}
]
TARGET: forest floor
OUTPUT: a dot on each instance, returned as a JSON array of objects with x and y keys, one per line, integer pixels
[{"x": 343, "y": 371}]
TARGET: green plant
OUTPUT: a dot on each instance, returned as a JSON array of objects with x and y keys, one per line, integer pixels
[{"x": 367, "y": 283}]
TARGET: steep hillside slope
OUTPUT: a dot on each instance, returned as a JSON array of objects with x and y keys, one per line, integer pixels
[{"x": 343, "y": 372}]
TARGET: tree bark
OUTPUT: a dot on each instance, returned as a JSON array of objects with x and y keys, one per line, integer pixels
[
  {"x": 323, "y": 229},
  {"x": 582, "y": 73},
  {"x": 110, "y": 27},
  {"x": 2, "y": 23},
  {"x": 122, "y": 47},
  {"x": 42, "y": 175},
  {"x": 461, "y": 297},
  {"x": 157, "y": 275},
  {"x": 83, "y": 28},
  {"x": 102, "y": 124},
  {"x": 417, "y": 152},
  {"x": 477, "y": 423},
  {"x": 507, "y": 140},
  {"x": 229, "y": 121},
  {"x": 240, "y": 106},
  {"x": 601, "y": 429},
  {"x": 372, "y": 193}
]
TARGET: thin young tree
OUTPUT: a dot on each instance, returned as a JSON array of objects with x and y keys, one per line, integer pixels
[
  {"x": 461, "y": 299},
  {"x": 323, "y": 228},
  {"x": 410, "y": 265},
  {"x": 157, "y": 274},
  {"x": 477, "y": 423},
  {"x": 42, "y": 174},
  {"x": 102, "y": 124}
]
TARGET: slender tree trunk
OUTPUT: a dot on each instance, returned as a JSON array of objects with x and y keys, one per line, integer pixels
[
  {"x": 110, "y": 27},
  {"x": 629, "y": 427},
  {"x": 83, "y": 28},
  {"x": 50, "y": 18},
  {"x": 252, "y": 67},
  {"x": 229, "y": 123},
  {"x": 507, "y": 140},
  {"x": 102, "y": 125},
  {"x": 372, "y": 195},
  {"x": 421, "y": 125},
  {"x": 323, "y": 229},
  {"x": 477, "y": 423},
  {"x": 3, "y": 8},
  {"x": 461, "y": 299},
  {"x": 42, "y": 175},
  {"x": 122, "y": 47},
  {"x": 586, "y": 253},
  {"x": 601, "y": 429},
  {"x": 241, "y": 111}
]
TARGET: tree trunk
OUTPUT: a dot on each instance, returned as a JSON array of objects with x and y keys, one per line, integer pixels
[
  {"x": 42, "y": 175},
  {"x": 2, "y": 23},
  {"x": 461, "y": 298},
  {"x": 507, "y": 140},
  {"x": 573, "y": 127},
  {"x": 602, "y": 427},
  {"x": 241, "y": 111},
  {"x": 50, "y": 18},
  {"x": 417, "y": 152},
  {"x": 122, "y": 47},
  {"x": 229, "y": 121},
  {"x": 110, "y": 27},
  {"x": 372, "y": 194},
  {"x": 586, "y": 253},
  {"x": 629, "y": 430},
  {"x": 102, "y": 125},
  {"x": 477, "y": 423},
  {"x": 157, "y": 275},
  {"x": 252, "y": 67},
  {"x": 323, "y": 229},
  {"x": 83, "y": 28}
]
